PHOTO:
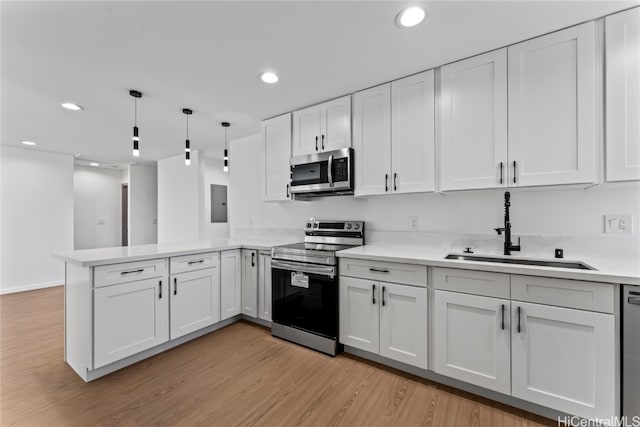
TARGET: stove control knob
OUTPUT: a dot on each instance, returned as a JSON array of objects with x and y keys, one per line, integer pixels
[
  {"x": 348, "y": 226},
  {"x": 308, "y": 225},
  {"x": 356, "y": 226},
  {"x": 315, "y": 225}
]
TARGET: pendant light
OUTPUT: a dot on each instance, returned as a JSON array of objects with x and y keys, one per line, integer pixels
[
  {"x": 136, "y": 139},
  {"x": 187, "y": 148},
  {"x": 225, "y": 125}
]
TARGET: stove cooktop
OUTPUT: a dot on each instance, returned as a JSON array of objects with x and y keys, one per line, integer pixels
[{"x": 310, "y": 246}]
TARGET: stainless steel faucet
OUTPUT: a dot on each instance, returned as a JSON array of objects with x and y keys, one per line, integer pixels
[{"x": 508, "y": 246}]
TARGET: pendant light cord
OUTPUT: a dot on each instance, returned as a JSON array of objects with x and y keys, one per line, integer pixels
[
  {"x": 187, "y": 126},
  {"x": 135, "y": 111},
  {"x": 225, "y": 138}
]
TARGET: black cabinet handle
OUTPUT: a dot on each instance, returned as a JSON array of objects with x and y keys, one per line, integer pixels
[
  {"x": 395, "y": 181},
  {"x": 373, "y": 294},
  {"x": 501, "y": 175},
  {"x": 502, "y": 321},
  {"x": 379, "y": 270},
  {"x": 287, "y": 191},
  {"x": 518, "y": 319},
  {"x": 386, "y": 182},
  {"x": 383, "y": 301},
  {"x": 514, "y": 172},
  {"x": 253, "y": 259},
  {"x": 200, "y": 261},
  {"x": 316, "y": 143},
  {"x": 323, "y": 141},
  {"x": 140, "y": 270},
  {"x": 160, "y": 289},
  {"x": 175, "y": 286}
]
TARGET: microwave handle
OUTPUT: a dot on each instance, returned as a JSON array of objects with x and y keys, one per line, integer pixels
[{"x": 329, "y": 167}]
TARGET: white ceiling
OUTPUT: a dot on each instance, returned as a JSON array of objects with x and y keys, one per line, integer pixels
[{"x": 206, "y": 55}]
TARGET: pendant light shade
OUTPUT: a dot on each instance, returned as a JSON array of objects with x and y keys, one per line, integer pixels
[
  {"x": 225, "y": 125},
  {"x": 136, "y": 138},
  {"x": 187, "y": 147}
]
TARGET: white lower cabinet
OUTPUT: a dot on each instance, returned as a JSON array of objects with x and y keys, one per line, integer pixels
[
  {"x": 264, "y": 286},
  {"x": 129, "y": 318},
  {"x": 359, "y": 314},
  {"x": 384, "y": 318},
  {"x": 564, "y": 359},
  {"x": 195, "y": 300},
  {"x": 250, "y": 282},
  {"x": 230, "y": 283},
  {"x": 472, "y": 339}
]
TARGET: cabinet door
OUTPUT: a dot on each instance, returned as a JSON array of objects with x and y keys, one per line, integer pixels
[
  {"x": 623, "y": 95},
  {"x": 335, "y": 124},
  {"x": 264, "y": 287},
  {"x": 473, "y": 122},
  {"x": 472, "y": 339},
  {"x": 276, "y": 143},
  {"x": 195, "y": 301},
  {"x": 359, "y": 316},
  {"x": 129, "y": 318},
  {"x": 413, "y": 134},
  {"x": 306, "y": 131},
  {"x": 564, "y": 359},
  {"x": 372, "y": 140},
  {"x": 552, "y": 111},
  {"x": 403, "y": 323},
  {"x": 250, "y": 282},
  {"x": 230, "y": 283}
]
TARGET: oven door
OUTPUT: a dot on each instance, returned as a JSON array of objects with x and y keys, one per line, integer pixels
[{"x": 305, "y": 296}]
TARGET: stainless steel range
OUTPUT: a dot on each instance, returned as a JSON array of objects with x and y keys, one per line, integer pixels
[{"x": 305, "y": 284}]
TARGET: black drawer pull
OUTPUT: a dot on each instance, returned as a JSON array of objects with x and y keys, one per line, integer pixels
[
  {"x": 379, "y": 270},
  {"x": 200, "y": 261},
  {"x": 140, "y": 270}
]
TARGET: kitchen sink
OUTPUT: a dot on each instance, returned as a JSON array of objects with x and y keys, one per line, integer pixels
[{"x": 537, "y": 262}]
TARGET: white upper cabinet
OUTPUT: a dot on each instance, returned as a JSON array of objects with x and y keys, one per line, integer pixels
[
  {"x": 372, "y": 140},
  {"x": 552, "y": 108},
  {"x": 322, "y": 127},
  {"x": 622, "y": 39},
  {"x": 413, "y": 134},
  {"x": 276, "y": 143},
  {"x": 473, "y": 122},
  {"x": 335, "y": 124}
]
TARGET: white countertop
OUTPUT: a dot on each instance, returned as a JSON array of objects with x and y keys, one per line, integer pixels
[
  {"x": 606, "y": 270},
  {"x": 103, "y": 256}
]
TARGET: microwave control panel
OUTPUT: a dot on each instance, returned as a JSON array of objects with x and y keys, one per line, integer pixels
[{"x": 341, "y": 169}]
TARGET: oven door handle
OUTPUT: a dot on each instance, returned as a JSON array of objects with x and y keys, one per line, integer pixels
[{"x": 303, "y": 268}]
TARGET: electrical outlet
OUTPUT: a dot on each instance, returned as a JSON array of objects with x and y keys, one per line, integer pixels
[
  {"x": 101, "y": 221},
  {"x": 413, "y": 223},
  {"x": 618, "y": 224}
]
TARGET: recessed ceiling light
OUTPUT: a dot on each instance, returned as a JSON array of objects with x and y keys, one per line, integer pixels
[
  {"x": 31, "y": 143},
  {"x": 94, "y": 164},
  {"x": 268, "y": 77},
  {"x": 411, "y": 16},
  {"x": 71, "y": 106}
]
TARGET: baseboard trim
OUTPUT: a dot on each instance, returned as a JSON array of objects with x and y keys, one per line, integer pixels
[{"x": 32, "y": 287}]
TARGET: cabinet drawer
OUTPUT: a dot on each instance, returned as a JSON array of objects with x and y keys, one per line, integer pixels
[
  {"x": 106, "y": 275},
  {"x": 393, "y": 272},
  {"x": 593, "y": 296},
  {"x": 180, "y": 264},
  {"x": 472, "y": 282}
]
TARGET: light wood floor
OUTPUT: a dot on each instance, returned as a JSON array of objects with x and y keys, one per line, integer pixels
[{"x": 239, "y": 375}]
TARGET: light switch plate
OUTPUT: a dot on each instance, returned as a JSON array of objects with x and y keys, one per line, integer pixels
[
  {"x": 413, "y": 223},
  {"x": 618, "y": 224}
]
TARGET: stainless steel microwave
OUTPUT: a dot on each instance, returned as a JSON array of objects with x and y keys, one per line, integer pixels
[{"x": 322, "y": 174}]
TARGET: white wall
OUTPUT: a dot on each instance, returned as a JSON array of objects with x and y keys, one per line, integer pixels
[
  {"x": 97, "y": 207},
  {"x": 213, "y": 174},
  {"x": 36, "y": 206},
  {"x": 180, "y": 199},
  {"x": 143, "y": 204},
  {"x": 566, "y": 212}
]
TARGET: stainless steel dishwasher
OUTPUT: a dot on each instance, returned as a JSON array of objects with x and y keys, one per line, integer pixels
[{"x": 631, "y": 352}]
